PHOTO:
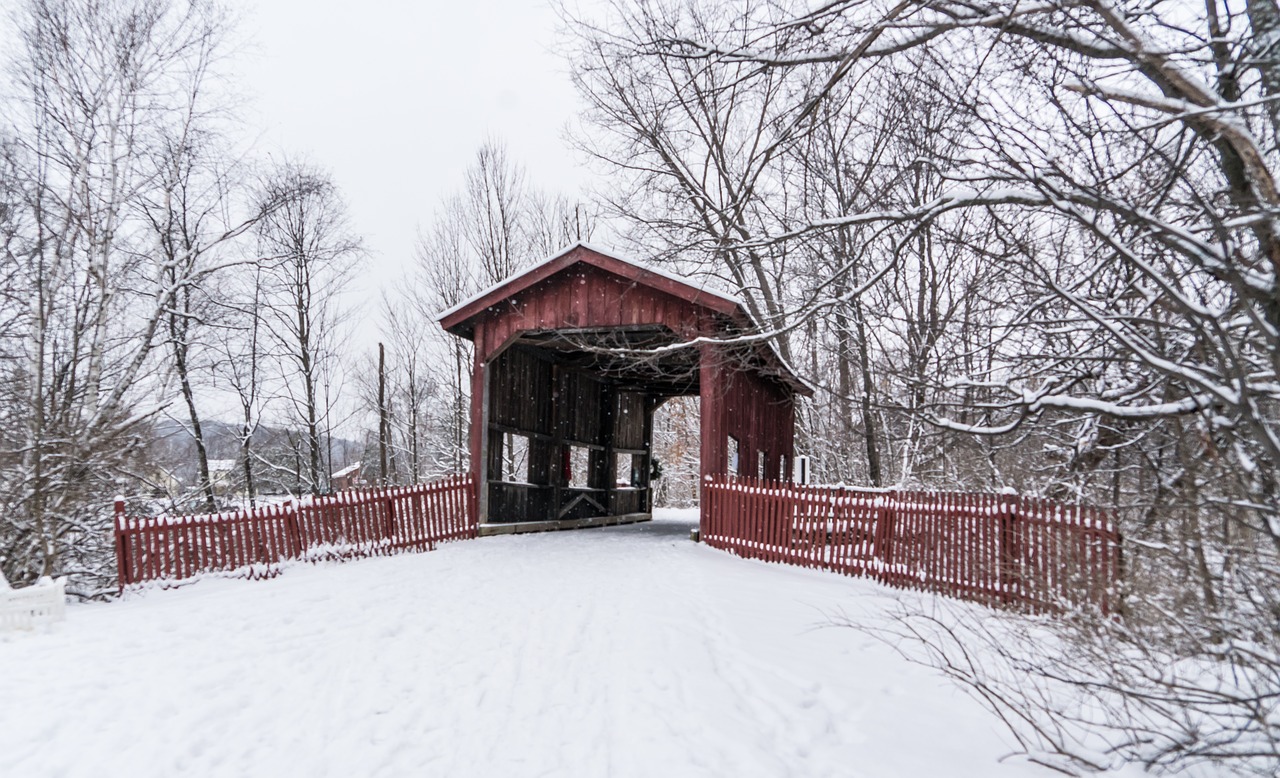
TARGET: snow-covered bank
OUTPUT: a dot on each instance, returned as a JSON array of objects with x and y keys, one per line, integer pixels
[{"x": 627, "y": 651}]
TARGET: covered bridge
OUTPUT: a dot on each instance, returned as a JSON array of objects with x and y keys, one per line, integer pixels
[{"x": 573, "y": 356}]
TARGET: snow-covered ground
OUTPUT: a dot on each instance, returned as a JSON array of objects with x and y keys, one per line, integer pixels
[{"x": 627, "y": 651}]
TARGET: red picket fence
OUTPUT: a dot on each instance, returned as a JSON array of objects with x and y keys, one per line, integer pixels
[
  {"x": 253, "y": 543},
  {"x": 1004, "y": 550}
]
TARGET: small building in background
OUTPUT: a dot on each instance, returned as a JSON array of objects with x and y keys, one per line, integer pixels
[
  {"x": 348, "y": 477},
  {"x": 222, "y": 474}
]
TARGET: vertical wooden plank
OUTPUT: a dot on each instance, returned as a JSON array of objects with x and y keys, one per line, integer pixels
[
  {"x": 448, "y": 513},
  {"x": 790, "y": 507},
  {"x": 950, "y": 511},
  {"x": 360, "y": 510},
  {"x": 707, "y": 496},
  {"x": 266, "y": 527},
  {"x": 118, "y": 522},
  {"x": 719, "y": 507},
  {"x": 960, "y": 560},
  {"x": 942, "y": 538},
  {"x": 208, "y": 548},
  {"x": 766, "y": 506},
  {"x": 144, "y": 548},
  {"x": 442, "y": 511},
  {"x": 459, "y": 533},
  {"x": 235, "y": 530},
  {"x": 158, "y": 557},
  {"x": 406, "y": 511},
  {"x": 1019, "y": 556},
  {"x": 411, "y": 517},
  {"x": 372, "y": 504},
  {"x": 420, "y": 511},
  {"x": 731, "y": 514},
  {"x": 221, "y": 539},
  {"x": 761, "y": 500},
  {"x": 451, "y": 505},
  {"x": 137, "y": 551},
  {"x": 954, "y": 526},
  {"x": 991, "y": 549},
  {"x": 173, "y": 538},
  {"x": 968, "y": 548},
  {"x": 182, "y": 548},
  {"x": 734, "y": 517},
  {"x": 433, "y": 495},
  {"x": 771, "y": 497},
  {"x": 932, "y": 569},
  {"x": 828, "y": 528},
  {"x": 442, "y": 516},
  {"x": 189, "y": 550},
  {"x": 1089, "y": 593},
  {"x": 951, "y": 524},
  {"x": 244, "y": 527},
  {"x": 727, "y": 508},
  {"x": 958, "y": 514},
  {"x": 449, "y": 508}
]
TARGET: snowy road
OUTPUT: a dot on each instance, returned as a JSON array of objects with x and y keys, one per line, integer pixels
[{"x": 627, "y": 651}]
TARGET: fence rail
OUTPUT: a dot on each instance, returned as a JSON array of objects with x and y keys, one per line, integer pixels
[
  {"x": 1004, "y": 550},
  {"x": 253, "y": 543}
]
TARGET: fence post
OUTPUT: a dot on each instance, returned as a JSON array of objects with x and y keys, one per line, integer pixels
[
  {"x": 293, "y": 524},
  {"x": 122, "y": 555},
  {"x": 884, "y": 535},
  {"x": 1008, "y": 548},
  {"x": 391, "y": 515},
  {"x": 704, "y": 508}
]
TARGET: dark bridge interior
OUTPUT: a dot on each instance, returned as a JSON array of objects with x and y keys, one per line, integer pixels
[{"x": 571, "y": 421}]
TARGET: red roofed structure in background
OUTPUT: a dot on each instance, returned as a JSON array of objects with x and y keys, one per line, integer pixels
[{"x": 573, "y": 356}]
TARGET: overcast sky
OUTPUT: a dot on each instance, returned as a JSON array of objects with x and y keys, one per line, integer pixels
[{"x": 394, "y": 97}]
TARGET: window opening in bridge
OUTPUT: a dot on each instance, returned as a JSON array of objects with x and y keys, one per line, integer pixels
[
  {"x": 733, "y": 456},
  {"x": 627, "y": 471},
  {"x": 515, "y": 458},
  {"x": 761, "y": 459},
  {"x": 579, "y": 467}
]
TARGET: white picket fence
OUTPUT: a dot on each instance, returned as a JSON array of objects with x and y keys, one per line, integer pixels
[{"x": 34, "y": 606}]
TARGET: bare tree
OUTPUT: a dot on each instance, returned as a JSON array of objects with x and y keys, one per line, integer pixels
[
  {"x": 310, "y": 254},
  {"x": 496, "y": 225},
  {"x": 242, "y": 354},
  {"x": 491, "y": 209},
  {"x": 1082, "y": 283},
  {"x": 698, "y": 154},
  {"x": 105, "y": 86}
]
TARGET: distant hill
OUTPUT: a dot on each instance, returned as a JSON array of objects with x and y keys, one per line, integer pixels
[{"x": 173, "y": 449}]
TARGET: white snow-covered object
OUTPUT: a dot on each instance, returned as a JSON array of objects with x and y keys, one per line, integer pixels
[{"x": 33, "y": 606}]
